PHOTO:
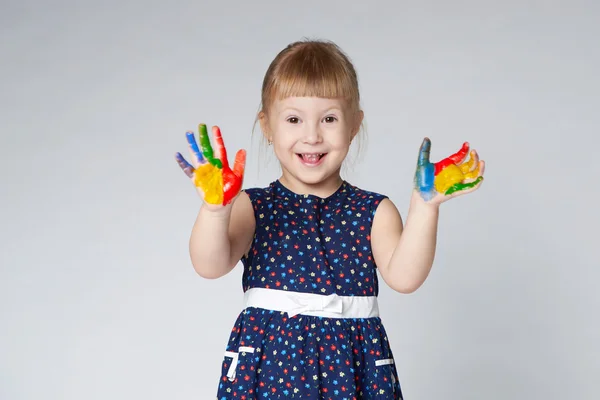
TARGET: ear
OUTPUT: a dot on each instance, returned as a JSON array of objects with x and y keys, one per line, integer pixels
[
  {"x": 264, "y": 125},
  {"x": 360, "y": 115}
]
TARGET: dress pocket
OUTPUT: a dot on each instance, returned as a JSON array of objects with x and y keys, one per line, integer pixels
[
  {"x": 239, "y": 362},
  {"x": 239, "y": 371},
  {"x": 388, "y": 381}
]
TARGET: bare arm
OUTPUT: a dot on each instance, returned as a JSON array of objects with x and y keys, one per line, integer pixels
[
  {"x": 220, "y": 237},
  {"x": 404, "y": 255}
]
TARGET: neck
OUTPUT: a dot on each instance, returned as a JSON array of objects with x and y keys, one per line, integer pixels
[{"x": 324, "y": 188}]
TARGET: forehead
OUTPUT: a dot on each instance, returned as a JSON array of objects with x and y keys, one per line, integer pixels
[{"x": 308, "y": 104}]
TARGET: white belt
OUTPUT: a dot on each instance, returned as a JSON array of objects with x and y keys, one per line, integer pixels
[{"x": 329, "y": 306}]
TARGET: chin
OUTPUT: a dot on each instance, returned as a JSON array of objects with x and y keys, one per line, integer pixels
[{"x": 312, "y": 177}]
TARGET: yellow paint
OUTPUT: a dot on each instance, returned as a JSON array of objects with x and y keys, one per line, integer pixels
[
  {"x": 453, "y": 174},
  {"x": 209, "y": 178}
]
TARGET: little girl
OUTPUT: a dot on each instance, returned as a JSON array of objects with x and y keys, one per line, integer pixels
[{"x": 310, "y": 242}]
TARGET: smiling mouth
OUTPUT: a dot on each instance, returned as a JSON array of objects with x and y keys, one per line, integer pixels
[{"x": 311, "y": 158}]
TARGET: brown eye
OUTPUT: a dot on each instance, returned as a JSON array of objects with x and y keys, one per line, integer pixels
[
  {"x": 293, "y": 120},
  {"x": 330, "y": 119}
]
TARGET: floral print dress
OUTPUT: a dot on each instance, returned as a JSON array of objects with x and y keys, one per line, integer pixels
[{"x": 308, "y": 244}]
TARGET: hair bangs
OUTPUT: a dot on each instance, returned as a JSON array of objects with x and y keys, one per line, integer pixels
[
  {"x": 311, "y": 73},
  {"x": 312, "y": 82}
]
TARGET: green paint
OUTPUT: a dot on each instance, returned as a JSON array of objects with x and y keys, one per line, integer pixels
[
  {"x": 207, "y": 149},
  {"x": 462, "y": 186}
]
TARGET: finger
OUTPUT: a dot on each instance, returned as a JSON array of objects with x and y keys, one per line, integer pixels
[
  {"x": 424, "y": 152},
  {"x": 185, "y": 166},
  {"x": 476, "y": 173},
  {"x": 239, "y": 165},
  {"x": 461, "y": 186},
  {"x": 206, "y": 147},
  {"x": 455, "y": 158},
  {"x": 460, "y": 155},
  {"x": 466, "y": 191},
  {"x": 221, "y": 151},
  {"x": 195, "y": 151},
  {"x": 470, "y": 165},
  {"x": 474, "y": 161},
  {"x": 470, "y": 169}
]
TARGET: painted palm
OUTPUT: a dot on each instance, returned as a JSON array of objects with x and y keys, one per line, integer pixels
[
  {"x": 211, "y": 174},
  {"x": 450, "y": 177}
]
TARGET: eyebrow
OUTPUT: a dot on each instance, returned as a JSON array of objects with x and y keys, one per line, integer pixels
[{"x": 290, "y": 109}]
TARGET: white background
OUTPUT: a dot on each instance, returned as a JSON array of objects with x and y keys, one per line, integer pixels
[{"x": 98, "y": 298}]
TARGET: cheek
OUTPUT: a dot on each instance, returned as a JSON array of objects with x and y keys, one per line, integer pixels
[
  {"x": 283, "y": 149},
  {"x": 283, "y": 142},
  {"x": 342, "y": 141}
]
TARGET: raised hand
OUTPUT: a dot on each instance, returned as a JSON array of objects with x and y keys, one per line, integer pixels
[
  {"x": 215, "y": 181},
  {"x": 450, "y": 177}
]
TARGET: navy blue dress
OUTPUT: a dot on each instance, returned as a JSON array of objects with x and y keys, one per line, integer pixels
[{"x": 309, "y": 244}]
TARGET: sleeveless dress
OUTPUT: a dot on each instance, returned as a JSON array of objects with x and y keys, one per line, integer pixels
[{"x": 308, "y": 244}]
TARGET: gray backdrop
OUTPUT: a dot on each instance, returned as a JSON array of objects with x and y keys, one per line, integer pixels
[{"x": 98, "y": 298}]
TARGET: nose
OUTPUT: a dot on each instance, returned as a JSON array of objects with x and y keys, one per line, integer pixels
[{"x": 312, "y": 134}]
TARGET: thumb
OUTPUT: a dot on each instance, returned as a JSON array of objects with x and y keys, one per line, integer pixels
[{"x": 424, "y": 152}]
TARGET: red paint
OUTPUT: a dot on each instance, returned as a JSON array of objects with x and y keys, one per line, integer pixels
[{"x": 455, "y": 158}]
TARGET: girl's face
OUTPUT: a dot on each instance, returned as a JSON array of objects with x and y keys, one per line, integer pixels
[{"x": 311, "y": 137}]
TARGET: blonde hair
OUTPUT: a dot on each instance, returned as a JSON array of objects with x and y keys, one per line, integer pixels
[{"x": 311, "y": 68}]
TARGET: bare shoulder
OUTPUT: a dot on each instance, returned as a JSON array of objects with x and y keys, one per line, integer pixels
[
  {"x": 387, "y": 215},
  {"x": 243, "y": 203},
  {"x": 241, "y": 225},
  {"x": 385, "y": 233}
]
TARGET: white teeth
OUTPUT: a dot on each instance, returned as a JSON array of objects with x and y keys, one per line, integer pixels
[{"x": 311, "y": 157}]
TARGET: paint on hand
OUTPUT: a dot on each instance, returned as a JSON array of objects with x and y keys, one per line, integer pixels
[
  {"x": 207, "y": 150},
  {"x": 210, "y": 179},
  {"x": 213, "y": 176},
  {"x": 447, "y": 176}
]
